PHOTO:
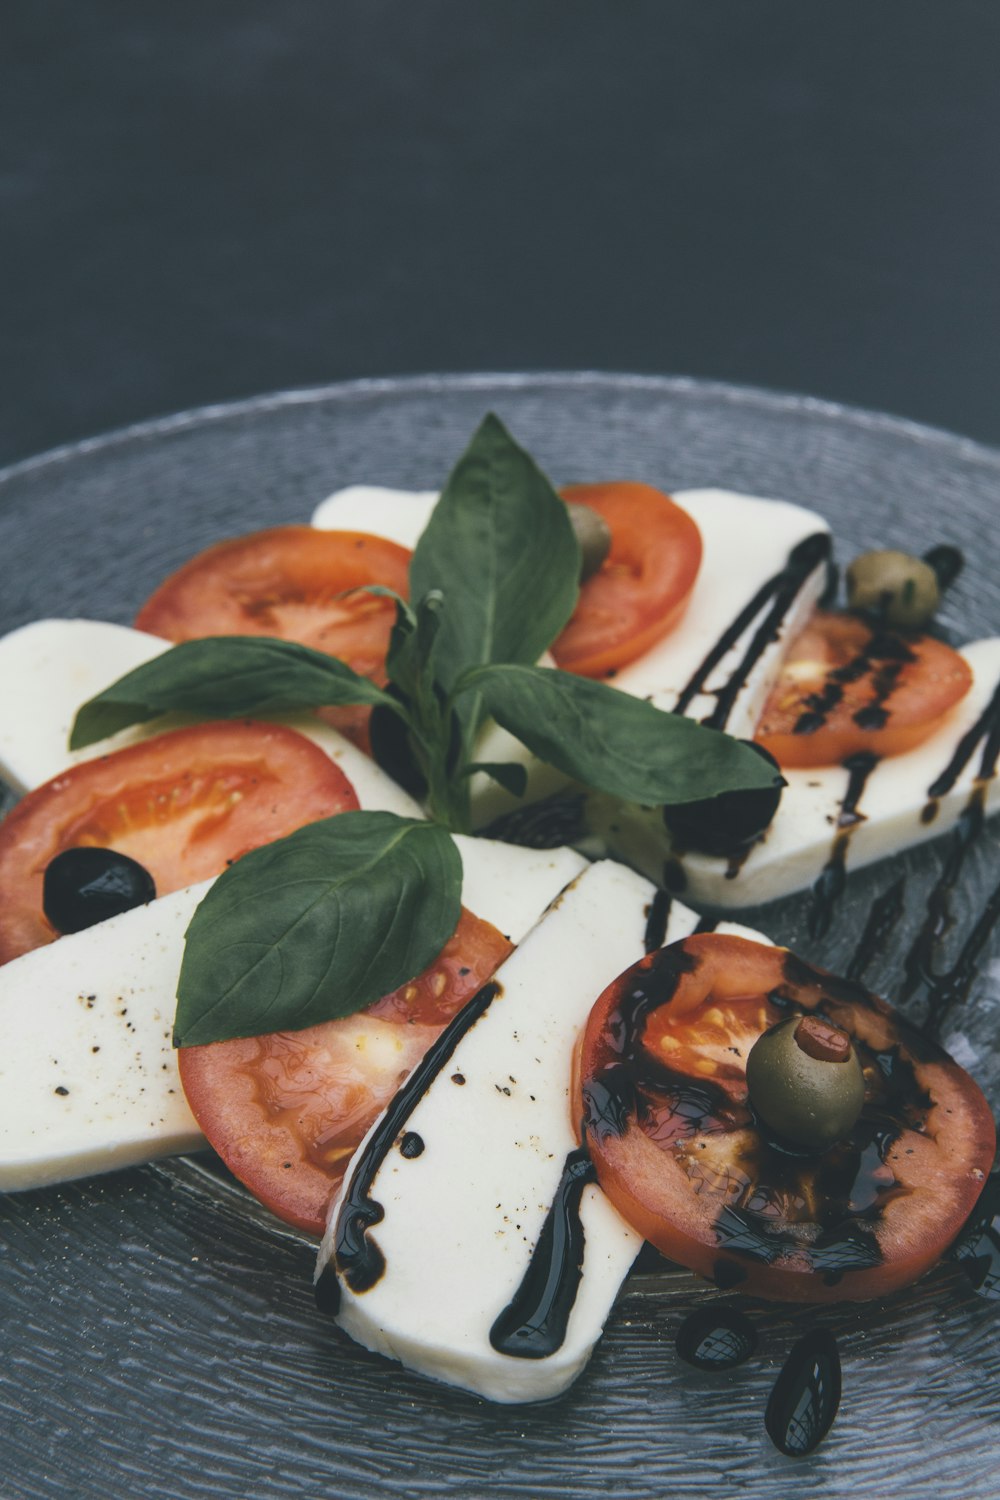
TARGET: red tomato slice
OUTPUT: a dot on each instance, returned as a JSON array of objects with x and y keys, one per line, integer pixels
[
  {"x": 287, "y": 582},
  {"x": 287, "y": 1111},
  {"x": 679, "y": 1151},
  {"x": 644, "y": 584},
  {"x": 846, "y": 687},
  {"x": 184, "y": 804}
]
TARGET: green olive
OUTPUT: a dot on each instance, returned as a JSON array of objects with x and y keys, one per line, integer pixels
[
  {"x": 900, "y": 589},
  {"x": 805, "y": 1081},
  {"x": 593, "y": 534}
]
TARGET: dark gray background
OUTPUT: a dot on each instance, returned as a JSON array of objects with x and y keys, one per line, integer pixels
[{"x": 202, "y": 199}]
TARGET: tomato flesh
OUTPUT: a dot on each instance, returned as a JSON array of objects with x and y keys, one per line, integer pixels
[
  {"x": 184, "y": 804},
  {"x": 643, "y": 586},
  {"x": 290, "y": 582},
  {"x": 679, "y": 1151},
  {"x": 846, "y": 687},
  {"x": 287, "y": 1111}
]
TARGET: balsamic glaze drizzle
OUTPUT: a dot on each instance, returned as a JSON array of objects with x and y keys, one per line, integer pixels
[
  {"x": 780, "y": 591},
  {"x": 357, "y": 1257},
  {"x": 656, "y": 921},
  {"x": 851, "y": 1182},
  {"x": 833, "y": 876},
  {"x": 533, "y": 1324},
  {"x": 882, "y": 919}
]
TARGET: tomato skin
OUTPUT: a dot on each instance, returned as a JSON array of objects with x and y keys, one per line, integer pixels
[
  {"x": 184, "y": 804},
  {"x": 679, "y": 1152},
  {"x": 641, "y": 590},
  {"x": 287, "y": 1111},
  {"x": 846, "y": 687},
  {"x": 286, "y": 582}
]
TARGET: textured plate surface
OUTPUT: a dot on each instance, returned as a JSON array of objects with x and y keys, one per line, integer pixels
[{"x": 159, "y": 1332}]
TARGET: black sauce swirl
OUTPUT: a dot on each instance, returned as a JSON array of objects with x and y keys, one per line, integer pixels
[
  {"x": 533, "y": 1324},
  {"x": 357, "y": 1257},
  {"x": 833, "y": 876},
  {"x": 780, "y": 591}
]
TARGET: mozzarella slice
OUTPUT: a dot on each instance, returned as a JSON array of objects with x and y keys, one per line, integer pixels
[
  {"x": 50, "y": 668},
  {"x": 465, "y": 1165},
  {"x": 88, "y": 1077},
  {"x": 826, "y": 821},
  {"x": 746, "y": 542}
]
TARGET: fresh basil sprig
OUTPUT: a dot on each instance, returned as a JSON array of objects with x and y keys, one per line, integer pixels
[
  {"x": 317, "y": 926},
  {"x": 322, "y": 923},
  {"x": 500, "y": 550}
]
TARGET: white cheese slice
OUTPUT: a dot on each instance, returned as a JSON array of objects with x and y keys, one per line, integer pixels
[
  {"x": 894, "y": 812},
  {"x": 88, "y": 1077},
  {"x": 48, "y": 669},
  {"x": 746, "y": 542},
  {"x": 461, "y": 1219}
]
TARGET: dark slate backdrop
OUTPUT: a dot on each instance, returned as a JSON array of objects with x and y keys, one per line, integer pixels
[{"x": 204, "y": 199}]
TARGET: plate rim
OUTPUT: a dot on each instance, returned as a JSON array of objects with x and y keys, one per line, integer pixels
[{"x": 761, "y": 398}]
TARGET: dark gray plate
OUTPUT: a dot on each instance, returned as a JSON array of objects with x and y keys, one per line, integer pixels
[{"x": 160, "y": 1337}]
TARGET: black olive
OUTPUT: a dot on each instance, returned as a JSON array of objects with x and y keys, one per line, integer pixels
[
  {"x": 716, "y": 1338},
  {"x": 85, "y": 886},
  {"x": 725, "y": 824},
  {"x": 806, "y": 1395}
]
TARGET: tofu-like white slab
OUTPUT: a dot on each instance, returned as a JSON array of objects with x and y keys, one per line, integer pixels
[
  {"x": 88, "y": 1076},
  {"x": 48, "y": 669},
  {"x": 746, "y": 541},
  {"x": 894, "y": 811},
  {"x": 461, "y": 1219}
]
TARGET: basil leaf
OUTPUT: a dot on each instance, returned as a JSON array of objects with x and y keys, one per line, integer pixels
[
  {"x": 615, "y": 743},
  {"x": 508, "y": 774},
  {"x": 223, "y": 677},
  {"x": 501, "y": 549},
  {"x": 317, "y": 926}
]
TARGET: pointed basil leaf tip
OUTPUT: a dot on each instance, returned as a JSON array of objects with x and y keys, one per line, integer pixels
[
  {"x": 223, "y": 677},
  {"x": 317, "y": 926},
  {"x": 508, "y": 774},
  {"x": 500, "y": 547},
  {"x": 613, "y": 742}
]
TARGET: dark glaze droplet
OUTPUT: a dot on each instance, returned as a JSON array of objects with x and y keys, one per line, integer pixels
[
  {"x": 412, "y": 1145},
  {"x": 977, "y": 1248},
  {"x": 806, "y": 1395},
  {"x": 533, "y": 1324},
  {"x": 781, "y": 591},
  {"x": 716, "y": 1338},
  {"x": 657, "y": 918},
  {"x": 357, "y": 1257},
  {"x": 833, "y": 876}
]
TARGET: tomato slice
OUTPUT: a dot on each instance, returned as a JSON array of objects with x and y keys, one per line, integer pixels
[
  {"x": 679, "y": 1151},
  {"x": 288, "y": 582},
  {"x": 642, "y": 588},
  {"x": 287, "y": 1111},
  {"x": 184, "y": 804},
  {"x": 847, "y": 686}
]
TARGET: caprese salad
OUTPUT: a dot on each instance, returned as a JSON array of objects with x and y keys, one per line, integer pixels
[{"x": 372, "y": 1002}]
